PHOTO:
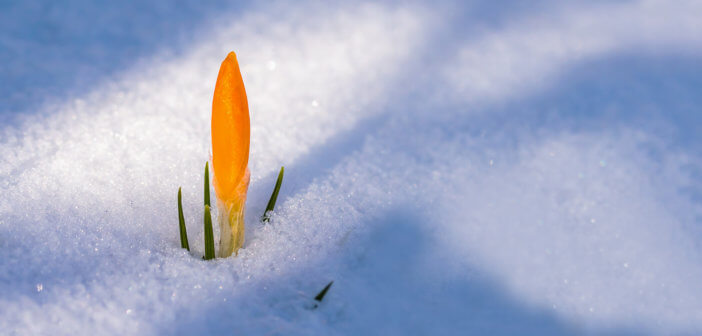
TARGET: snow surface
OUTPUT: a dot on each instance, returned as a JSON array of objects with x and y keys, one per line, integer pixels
[{"x": 479, "y": 168}]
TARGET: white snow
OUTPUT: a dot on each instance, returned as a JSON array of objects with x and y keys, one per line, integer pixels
[{"x": 531, "y": 171}]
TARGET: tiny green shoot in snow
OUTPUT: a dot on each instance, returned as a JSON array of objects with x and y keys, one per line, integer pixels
[
  {"x": 274, "y": 197},
  {"x": 181, "y": 220}
]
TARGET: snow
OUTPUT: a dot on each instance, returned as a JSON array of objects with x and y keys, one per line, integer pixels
[{"x": 454, "y": 169}]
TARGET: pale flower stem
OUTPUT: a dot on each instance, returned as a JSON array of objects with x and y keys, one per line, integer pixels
[{"x": 231, "y": 226}]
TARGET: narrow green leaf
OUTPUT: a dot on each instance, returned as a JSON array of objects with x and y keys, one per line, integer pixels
[
  {"x": 181, "y": 220},
  {"x": 207, "y": 184},
  {"x": 209, "y": 235},
  {"x": 274, "y": 196},
  {"x": 321, "y": 294}
]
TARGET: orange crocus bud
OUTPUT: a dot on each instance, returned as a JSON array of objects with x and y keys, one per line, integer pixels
[{"x": 230, "y": 153}]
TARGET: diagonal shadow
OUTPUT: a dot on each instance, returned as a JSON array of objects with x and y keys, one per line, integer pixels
[
  {"x": 652, "y": 93},
  {"x": 51, "y": 50}
]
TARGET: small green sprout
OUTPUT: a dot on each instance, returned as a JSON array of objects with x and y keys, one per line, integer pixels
[
  {"x": 209, "y": 235},
  {"x": 181, "y": 219},
  {"x": 323, "y": 292},
  {"x": 274, "y": 197}
]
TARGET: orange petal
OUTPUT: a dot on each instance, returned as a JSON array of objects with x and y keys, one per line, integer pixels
[{"x": 230, "y": 132}]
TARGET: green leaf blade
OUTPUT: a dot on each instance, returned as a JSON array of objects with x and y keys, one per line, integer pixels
[
  {"x": 323, "y": 292},
  {"x": 274, "y": 196},
  {"x": 209, "y": 235},
  {"x": 181, "y": 220}
]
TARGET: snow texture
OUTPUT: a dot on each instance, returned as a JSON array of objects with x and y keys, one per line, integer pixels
[{"x": 475, "y": 168}]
